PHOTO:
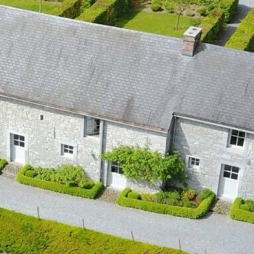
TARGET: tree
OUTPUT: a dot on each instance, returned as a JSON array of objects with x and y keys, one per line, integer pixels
[
  {"x": 181, "y": 6},
  {"x": 142, "y": 163}
]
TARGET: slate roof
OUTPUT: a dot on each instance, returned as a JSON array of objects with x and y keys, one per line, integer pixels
[{"x": 122, "y": 75}]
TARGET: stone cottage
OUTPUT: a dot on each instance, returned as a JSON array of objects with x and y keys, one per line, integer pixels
[{"x": 70, "y": 90}]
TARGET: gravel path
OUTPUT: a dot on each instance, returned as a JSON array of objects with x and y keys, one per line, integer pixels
[{"x": 217, "y": 234}]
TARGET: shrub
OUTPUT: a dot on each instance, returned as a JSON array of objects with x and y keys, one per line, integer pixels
[
  {"x": 236, "y": 213},
  {"x": 169, "y": 6},
  {"x": 156, "y": 5},
  {"x": 134, "y": 195},
  {"x": 87, "y": 184},
  {"x": 192, "y": 213},
  {"x": 58, "y": 187},
  {"x": 250, "y": 203},
  {"x": 189, "y": 194},
  {"x": 205, "y": 193},
  {"x": 244, "y": 207},
  {"x": 147, "y": 197},
  {"x": 3, "y": 163},
  {"x": 30, "y": 173},
  {"x": 202, "y": 11},
  {"x": 189, "y": 204}
]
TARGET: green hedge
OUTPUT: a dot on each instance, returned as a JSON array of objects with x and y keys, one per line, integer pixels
[
  {"x": 3, "y": 163},
  {"x": 243, "y": 37},
  {"x": 211, "y": 25},
  {"x": 239, "y": 214},
  {"x": 229, "y": 8},
  {"x": 105, "y": 11},
  {"x": 57, "y": 187},
  {"x": 68, "y": 9},
  {"x": 29, "y": 235},
  {"x": 192, "y": 213}
]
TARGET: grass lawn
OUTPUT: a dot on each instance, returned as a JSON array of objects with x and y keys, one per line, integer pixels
[
  {"x": 25, "y": 234},
  {"x": 32, "y": 5},
  {"x": 158, "y": 23}
]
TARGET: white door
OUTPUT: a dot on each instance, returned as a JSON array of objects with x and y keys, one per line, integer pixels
[
  {"x": 18, "y": 148},
  {"x": 229, "y": 178},
  {"x": 116, "y": 178}
]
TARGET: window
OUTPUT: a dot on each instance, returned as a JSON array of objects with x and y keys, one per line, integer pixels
[
  {"x": 67, "y": 150},
  {"x": 230, "y": 172},
  {"x": 237, "y": 138},
  {"x": 92, "y": 126},
  {"x": 193, "y": 162},
  {"x": 19, "y": 140},
  {"x": 115, "y": 168}
]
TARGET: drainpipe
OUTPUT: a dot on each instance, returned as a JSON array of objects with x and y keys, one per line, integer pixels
[
  {"x": 171, "y": 134},
  {"x": 101, "y": 150}
]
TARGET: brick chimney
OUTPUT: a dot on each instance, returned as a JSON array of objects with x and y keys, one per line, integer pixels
[{"x": 191, "y": 38}]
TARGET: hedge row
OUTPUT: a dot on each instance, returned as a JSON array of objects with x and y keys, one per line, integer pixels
[
  {"x": 214, "y": 21},
  {"x": 105, "y": 11},
  {"x": 26, "y": 234},
  {"x": 192, "y": 213},
  {"x": 238, "y": 214},
  {"x": 57, "y": 187},
  {"x": 243, "y": 37},
  {"x": 3, "y": 163},
  {"x": 68, "y": 9}
]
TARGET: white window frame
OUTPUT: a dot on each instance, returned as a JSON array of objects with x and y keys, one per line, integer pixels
[
  {"x": 117, "y": 168},
  {"x": 91, "y": 126},
  {"x": 238, "y": 137},
  {"x": 193, "y": 162},
  {"x": 64, "y": 147}
]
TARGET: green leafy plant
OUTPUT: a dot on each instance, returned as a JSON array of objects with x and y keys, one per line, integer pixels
[
  {"x": 142, "y": 163},
  {"x": 134, "y": 195},
  {"x": 3, "y": 163},
  {"x": 156, "y": 5}
]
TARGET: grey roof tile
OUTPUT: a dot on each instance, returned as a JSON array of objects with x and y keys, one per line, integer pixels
[{"x": 120, "y": 74}]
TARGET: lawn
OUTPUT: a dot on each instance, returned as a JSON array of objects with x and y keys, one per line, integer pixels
[
  {"x": 32, "y": 5},
  {"x": 26, "y": 234},
  {"x": 155, "y": 22}
]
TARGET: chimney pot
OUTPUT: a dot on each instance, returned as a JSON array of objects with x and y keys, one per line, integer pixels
[{"x": 191, "y": 39}]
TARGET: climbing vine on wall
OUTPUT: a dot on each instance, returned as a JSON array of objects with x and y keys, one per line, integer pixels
[{"x": 142, "y": 163}]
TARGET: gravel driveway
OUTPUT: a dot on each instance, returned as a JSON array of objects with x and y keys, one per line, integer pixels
[{"x": 216, "y": 234}]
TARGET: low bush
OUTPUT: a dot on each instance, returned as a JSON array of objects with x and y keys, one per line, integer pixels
[
  {"x": 240, "y": 211},
  {"x": 26, "y": 234},
  {"x": 187, "y": 212},
  {"x": 243, "y": 37},
  {"x": 156, "y": 5},
  {"x": 134, "y": 195},
  {"x": 92, "y": 191},
  {"x": 3, "y": 163}
]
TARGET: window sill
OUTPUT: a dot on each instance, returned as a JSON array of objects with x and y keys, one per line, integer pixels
[{"x": 235, "y": 150}]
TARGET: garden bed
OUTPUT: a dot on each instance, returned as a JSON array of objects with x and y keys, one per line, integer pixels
[
  {"x": 193, "y": 207},
  {"x": 242, "y": 210},
  {"x": 66, "y": 179}
]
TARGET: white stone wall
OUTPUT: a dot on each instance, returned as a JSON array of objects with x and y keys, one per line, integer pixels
[
  {"x": 209, "y": 143},
  {"x": 117, "y": 134},
  {"x": 44, "y": 137}
]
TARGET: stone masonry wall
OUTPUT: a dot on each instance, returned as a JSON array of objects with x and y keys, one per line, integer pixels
[
  {"x": 209, "y": 143},
  {"x": 116, "y": 134},
  {"x": 43, "y": 137}
]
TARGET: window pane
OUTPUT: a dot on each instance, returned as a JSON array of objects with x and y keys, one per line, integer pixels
[
  {"x": 234, "y": 133},
  {"x": 65, "y": 150},
  {"x": 234, "y": 176},
  {"x": 22, "y": 144},
  {"x": 120, "y": 171},
  {"x": 226, "y": 174},
  {"x": 71, "y": 151},
  {"x": 16, "y": 143},
  {"x": 16, "y": 136},
  {"x": 235, "y": 169},
  {"x": 197, "y": 162},
  {"x": 241, "y": 134},
  {"x": 240, "y": 142},
  {"x": 22, "y": 138},
  {"x": 227, "y": 168},
  {"x": 233, "y": 140}
]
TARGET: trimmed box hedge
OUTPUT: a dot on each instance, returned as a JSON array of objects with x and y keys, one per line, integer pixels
[
  {"x": 105, "y": 11},
  {"x": 58, "y": 187},
  {"x": 239, "y": 214},
  {"x": 243, "y": 37},
  {"x": 29, "y": 235},
  {"x": 3, "y": 163},
  {"x": 229, "y": 8},
  {"x": 192, "y": 213}
]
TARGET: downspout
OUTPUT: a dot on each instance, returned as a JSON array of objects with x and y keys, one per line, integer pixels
[
  {"x": 171, "y": 134},
  {"x": 101, "y": 150}
]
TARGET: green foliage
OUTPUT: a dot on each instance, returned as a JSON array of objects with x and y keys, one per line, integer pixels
[
  {"x": 156, "y": 5},
  {"x": 3, "y": 163},
  {"x": 243, "y": 37},
  {"x": 105, "y": 11},
  {"x": 203, "y": 11},
  {"x": 90, "y": 192},
  {"x": 141, "y": 163},
  {"x": 134, "y": 195},
  {"x": 205, "y": 193},
  {"x": 250, "y": 203},
  {"x": 238, "y": 211},
  {"x": 26, "y": 234},
  {"x": 30, "y": 173},
  {"x": 170, "y": 198},
  {"x": 189, "y": 204},
  {"x": 192, "y": 213}
]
